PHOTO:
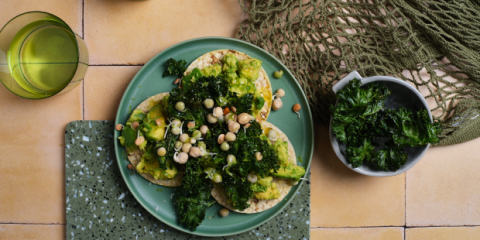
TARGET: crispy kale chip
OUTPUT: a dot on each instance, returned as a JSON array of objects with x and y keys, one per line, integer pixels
[
  {"x": 192, "y": 198},
  {"x": 360, "y": 120},
  {"x": 238, "y": 191},
  {"x": 175, "y": 67}
]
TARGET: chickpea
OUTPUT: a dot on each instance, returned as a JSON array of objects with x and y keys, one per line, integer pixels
[
  {"x": 230, "y": 117},
  {"x": 159, "y": 121},
  {"x": 244, "y": 118},
  {"x": 181, "y": 158},
  {"x": 231, "y": 159},
  {"x": 183, "y": 138},
  {"x": 211, "y": 118},
  {"x": 139, "y": 140},
  {"x": 129, "y": 166},
  {"x": 135, "y": 125},
  {"x": 258, "y": 156},
  {"x": 224, "y": 146},
  {"x": 196, "y": 134},
  {"x": 178, "y": 145},
  {"x": 186, "y": 147},
  {"x": 277, "y": 104},
  {"x": 233, "y": 126},
  {"x": 272, "y": 134},
  {"x": 195, "y": 152},
  {"x": 190, "y": 125},
  {"x": 218, "y": 112},
  {"x": 180, "y": 106},
  {"x": 208, "y": 103},
  {"x": 278, "y": 74},
  {"x": 176, "y": 130},
  {"x": 176, "y": 123},
  {"x": 252, "y": 177},
  {"x": 193, "y": 141},
  {"x": 202, "y": 145},
  {"x": 217, "y": 178},
  {"x": 161, "y": 152},
  {"x": 221, "y": 138},
  {"x": 204, "y": 129},
  {"x": 230, "y": 137},
  {"x": 280, "y": 93},
  {"x": 297, "y": 108},
  {"x": 119, "y": 127},
  {"x": 224, "y": 212}
]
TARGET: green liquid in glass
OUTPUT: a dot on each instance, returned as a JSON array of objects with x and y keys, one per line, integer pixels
[{"x": 43, "y": 57}]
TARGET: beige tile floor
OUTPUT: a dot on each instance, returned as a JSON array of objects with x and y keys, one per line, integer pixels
[{"x": 442, "y": 190}]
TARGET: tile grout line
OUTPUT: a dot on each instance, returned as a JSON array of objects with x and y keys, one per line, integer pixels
[
  {"x": 405, "y": 228},
  {"x": 83, "y": 82},
  {"x": 32, "y": 223}
]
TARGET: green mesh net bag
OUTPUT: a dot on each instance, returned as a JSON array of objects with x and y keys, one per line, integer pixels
[{"x": 434, "y": 45}]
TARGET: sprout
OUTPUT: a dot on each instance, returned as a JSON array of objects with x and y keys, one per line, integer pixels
[
  {"x": 224, "y": 212},
  {"x": 252, "y": 177},
  {"x": 180, "y": 106},
  {"x": 216, "y": 178},
  {"x": 231, "y": 160},
  {"x": 208, "y": 103},
  {"x": 297, "y": 108},
  {"x": 224, "y": 146},
  {"x": 161, "y": 152},
  {"x": 278, "y": 74}
]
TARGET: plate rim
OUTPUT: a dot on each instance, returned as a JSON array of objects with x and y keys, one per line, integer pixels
[{"x": 145, "y": 67}]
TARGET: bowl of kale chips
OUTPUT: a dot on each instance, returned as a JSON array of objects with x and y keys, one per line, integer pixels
[{"x": 380, "y": 126}]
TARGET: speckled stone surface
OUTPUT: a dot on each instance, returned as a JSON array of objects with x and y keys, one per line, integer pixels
[{"x": 99, "y": 205}]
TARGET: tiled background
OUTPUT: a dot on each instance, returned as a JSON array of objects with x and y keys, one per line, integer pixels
[{"x": 439, "y": 198}]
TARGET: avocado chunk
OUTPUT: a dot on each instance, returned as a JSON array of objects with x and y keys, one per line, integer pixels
[
  {"x": 230, "y": 62},
  {"x": 243, "y": 88},
  {"x": 262, "y": 184},
  {"x": 271, "y": 193},
  {"x": 153, "y": 131},
  {"x": 230, "y": 75},
  {"x": 212, "y": 70},
  {"x": 281, "y": 148},
  {"x": 249, "y": 68},
  {"x": 290, "y": 171},
  {"x": 137, "y": 116},
  {"x": 150, "y": 165},
  {"x": 128, "y": 138}
]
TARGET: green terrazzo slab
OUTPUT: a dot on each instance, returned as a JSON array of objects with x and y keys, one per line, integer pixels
[{"x": 99, "y": 205}]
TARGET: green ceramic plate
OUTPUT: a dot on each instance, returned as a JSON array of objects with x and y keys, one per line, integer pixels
[{"x": 149, "y": 82}]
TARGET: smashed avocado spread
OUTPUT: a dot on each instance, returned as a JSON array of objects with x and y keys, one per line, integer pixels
[{"x": 205, "y": 130}]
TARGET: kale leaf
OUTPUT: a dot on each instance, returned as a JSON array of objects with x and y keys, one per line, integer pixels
[
  {"x": 361, "y": 121},
  {"x": 175, "y": 67},
  {"x": 192, "y": 198},
  {"x": 238, "y": 191}
]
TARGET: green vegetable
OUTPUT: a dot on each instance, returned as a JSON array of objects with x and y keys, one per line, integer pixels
[
  {"x": 175, "y": 67},
  {"x": 278, "y": 74},
  {"x": 238, "y": 191},
  {"x": 193, "y": 197},
  {"x": 360, "y": 120},
  {"x": 259, "y": 102}
]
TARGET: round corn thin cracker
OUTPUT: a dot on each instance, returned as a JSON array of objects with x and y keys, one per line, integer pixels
[
  {"x": 135, "y": 156},
  {"x": 262, "y": 83},
  {"x": 283, "y": 185}
]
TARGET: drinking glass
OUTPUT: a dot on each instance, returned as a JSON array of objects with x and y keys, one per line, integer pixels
[{"x": 41, "y": 56}]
